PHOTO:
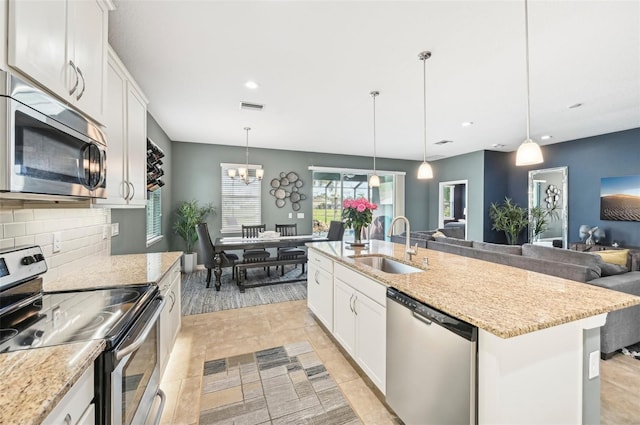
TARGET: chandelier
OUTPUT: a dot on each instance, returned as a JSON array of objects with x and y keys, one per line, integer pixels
[{"x": 242, "y": 173}]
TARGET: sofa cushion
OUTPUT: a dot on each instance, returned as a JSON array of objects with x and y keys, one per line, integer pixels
[
  {"x": 614, "y": 256},
  {"x": 609, "y": 269},
  {"x": 453, "y": 232},
  {"x": 564, "y": 256},
  {"x": 455, "y": 241},
  {"x": 494, "y": 247}
]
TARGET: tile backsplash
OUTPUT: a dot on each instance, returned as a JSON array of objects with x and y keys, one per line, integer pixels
[{"x": 84, "y": 233}]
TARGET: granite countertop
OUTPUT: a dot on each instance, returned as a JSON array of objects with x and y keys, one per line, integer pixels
[
  {"x": 32, "y": 382},
  {"x": 503, "y": 300},
  {"x": 117, "y": 270}
]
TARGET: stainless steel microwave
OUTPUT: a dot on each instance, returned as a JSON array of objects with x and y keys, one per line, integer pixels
[{"x": 46, "y": 147}]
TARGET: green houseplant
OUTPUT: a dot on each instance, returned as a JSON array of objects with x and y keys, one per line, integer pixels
[
  {"x": 541, "y": 218},
  {"x": 187, "y": 216},
  {"x": 510, "y": 218}
]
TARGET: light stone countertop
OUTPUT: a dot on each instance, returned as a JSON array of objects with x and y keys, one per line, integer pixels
[
  {"x": 117, "y": 270},
  {"x": 32, "y": 382},
  {"x": 503, "y": 300}
]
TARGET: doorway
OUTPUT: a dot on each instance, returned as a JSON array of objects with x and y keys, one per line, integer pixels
[{"x": 452, "y": 205}]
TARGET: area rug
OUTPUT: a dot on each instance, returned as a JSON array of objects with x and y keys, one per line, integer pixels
[
  {"x": 280, "y": 385},
  {"x": 197, "y": 298},
  {"x": 632, "y": 350}
]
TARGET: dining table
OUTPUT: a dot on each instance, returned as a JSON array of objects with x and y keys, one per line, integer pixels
[{"x": 237, "y": 243}]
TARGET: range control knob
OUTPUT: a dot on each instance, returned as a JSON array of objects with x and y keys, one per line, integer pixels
[
  {"x": 27, "y": 260},
  {"x": 38, "y": 257}
]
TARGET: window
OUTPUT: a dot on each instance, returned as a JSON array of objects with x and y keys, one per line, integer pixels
[
  {"x": 154, "y": 217},
  {"x": 241, "y": 203},
  {"x": 448, "y": 201}
]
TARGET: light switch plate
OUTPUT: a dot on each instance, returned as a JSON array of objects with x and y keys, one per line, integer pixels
[
  {"x": 115, "y": 229},
  {"x": 57, "y": 241},
  {"x": 290, "y": 215},
  {"x": 300, "y": 215},
  {"x": 594, "y": 364}
]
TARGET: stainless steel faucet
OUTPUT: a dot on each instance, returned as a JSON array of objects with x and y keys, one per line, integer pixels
[{"x": 408, "y": 252}]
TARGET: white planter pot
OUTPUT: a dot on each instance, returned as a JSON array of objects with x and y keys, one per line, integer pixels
[{"x": 189, "y": 262}]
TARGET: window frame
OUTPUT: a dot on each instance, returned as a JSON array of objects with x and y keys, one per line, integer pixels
[{"x": 154, "y": 201}]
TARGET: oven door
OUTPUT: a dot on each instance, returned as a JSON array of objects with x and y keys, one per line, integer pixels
[
  {"x": 47, "y": 157},
  {"x": 134, "y": 378}
]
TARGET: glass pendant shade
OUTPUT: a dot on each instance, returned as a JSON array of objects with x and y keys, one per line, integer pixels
[
  {"x": 259, "y": 173},
  {"x": 231, "y": 172},
  {"x": 529, "y": 153},
  {"x": 425, "y": 171},
  {"x": 374, "y": 181}
]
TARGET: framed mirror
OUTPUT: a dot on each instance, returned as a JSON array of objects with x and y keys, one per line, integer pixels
[{"x": 548, "y": 207}]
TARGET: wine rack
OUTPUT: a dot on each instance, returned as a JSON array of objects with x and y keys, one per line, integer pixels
[{"x": 154, "y": 166}]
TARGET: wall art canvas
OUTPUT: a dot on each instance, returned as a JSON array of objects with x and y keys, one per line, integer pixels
[{"x": 620, "y": 198}]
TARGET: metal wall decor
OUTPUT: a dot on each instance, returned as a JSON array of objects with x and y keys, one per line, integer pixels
[
  {"x": 287, "y": 186},
  {"x": 553, "y": 196}
]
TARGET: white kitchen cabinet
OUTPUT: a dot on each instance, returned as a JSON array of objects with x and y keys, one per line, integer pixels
[
  {"x": 76, "y": 407},
  {"x": 320, "y": 287},
  {"x": 360, "y": 321},
  {"x": 62, "y": 45},
  {"x": 170, "y": 318},
  {"x": 126, "y": 121}
]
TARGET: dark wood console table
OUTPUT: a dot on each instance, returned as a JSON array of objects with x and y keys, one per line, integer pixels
[{"x": 228, "y": 244}]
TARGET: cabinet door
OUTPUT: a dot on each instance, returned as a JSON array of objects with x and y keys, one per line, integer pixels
[
  {"x": 115, "y": 122},
  {"x": 137, "y": 146},
  {"x": 38, "y": 42},
  {"x": 344, "y": 328},
  {"x": 165, "y": 336},
  {"x": 87, "y": 38},
  {"x": 320, "y": 295},
  {"x": 371, "y": 338}
]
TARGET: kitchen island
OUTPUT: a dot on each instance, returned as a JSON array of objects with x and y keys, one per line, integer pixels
[{"x": 536, "y": 333}]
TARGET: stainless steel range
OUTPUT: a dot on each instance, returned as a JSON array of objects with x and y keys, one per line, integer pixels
[{"x": 126, "y": 317}]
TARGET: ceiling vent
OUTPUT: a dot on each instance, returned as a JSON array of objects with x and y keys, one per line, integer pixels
[
  {"x": 247, "y": 106},
  {"x": 443, "y": 142}
]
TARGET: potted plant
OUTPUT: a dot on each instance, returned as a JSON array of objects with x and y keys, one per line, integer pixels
[
  {"x": 188, "y": 215},
  {"x": 357, "y": 213},
  {"x": 540, "y": 219},
  {"x": 509, "y": 218}
]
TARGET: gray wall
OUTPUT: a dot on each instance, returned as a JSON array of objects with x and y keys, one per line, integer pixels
[
  {"x": 133, "y": 222},
  {"x": 197, "y": 175}
]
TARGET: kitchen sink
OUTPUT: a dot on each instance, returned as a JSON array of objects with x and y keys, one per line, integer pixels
[{"x": 386, "y": 265}]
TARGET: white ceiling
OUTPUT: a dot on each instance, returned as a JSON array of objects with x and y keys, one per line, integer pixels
[{"x": 317, "y": 61}]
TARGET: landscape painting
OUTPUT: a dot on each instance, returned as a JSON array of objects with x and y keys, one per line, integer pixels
[{"x": 620, "y": 198}]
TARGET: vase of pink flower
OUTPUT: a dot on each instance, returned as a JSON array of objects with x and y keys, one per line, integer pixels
[{"x": 357, "y": 214}]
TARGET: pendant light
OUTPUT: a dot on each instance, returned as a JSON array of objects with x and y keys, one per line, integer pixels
[
  {"x": 243, "y": 172},
  {"x": 374, "y": 180},
  {"x": 425, "y": 171},
  {"x": 529, "y": 152}
]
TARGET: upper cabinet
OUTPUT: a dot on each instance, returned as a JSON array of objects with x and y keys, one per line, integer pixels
[
  {"x": 62, "y": 45},
  {"x": 126, "y": 122}
]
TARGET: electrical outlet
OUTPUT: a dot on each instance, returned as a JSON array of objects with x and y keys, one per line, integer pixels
[
  {"x": 594, "y": 364},
  {"x": 300, "y": 215},
  {"x": 290, "y": 215},
  {"x": 115, "y": 229},
  {"x": 57, "y": 241}
]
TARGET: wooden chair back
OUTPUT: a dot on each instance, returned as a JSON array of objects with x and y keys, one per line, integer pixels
[
  {"x": 253, "y": 231},
  {"x": 287, "y": 229}
]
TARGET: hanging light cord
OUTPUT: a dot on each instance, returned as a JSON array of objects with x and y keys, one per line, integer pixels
[
  {"x": 247, "y": 151},
  {"x": 374, "y": 94},
  {"x": 423, "y": 57},
  {"x": 526, "y": 32}
]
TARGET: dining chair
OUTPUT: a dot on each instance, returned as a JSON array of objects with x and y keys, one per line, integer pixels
[
  {"x": 207, "y": 252},
  {"x": 254, "y": 255},
  {"x": 336, "y": 231},
  {"x": 288, "y": 253}
]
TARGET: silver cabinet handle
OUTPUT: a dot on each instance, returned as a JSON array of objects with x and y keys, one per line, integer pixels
[
  {"x": 75, "y": 70},
  {"x": 84, "y": 85},
  {"x": 350, "y": 302},
  {"x": 354, "y": 304},
  {"x": 421, "y": 318},
  {"x": 133, "y": 191},
  {"x": 67, "y": 419},
  {"x": 173, "y": 301},
  {"x": 127, "y": 190},
  {"x": 163, "y": 398},
  {"x": 316, "y": 277}
]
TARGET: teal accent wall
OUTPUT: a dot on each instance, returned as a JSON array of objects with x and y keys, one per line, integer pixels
[
  {"x": 133, "y": 222},
  {"x": 197, "y": 174}
]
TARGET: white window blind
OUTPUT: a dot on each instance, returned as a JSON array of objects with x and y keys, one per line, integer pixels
[
  {"x": 241, "y": 203},
  {"x": 154, "y": 216}
]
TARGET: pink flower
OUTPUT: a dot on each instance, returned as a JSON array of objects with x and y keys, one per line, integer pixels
[
  {"x": 361, "y": 207},
  {"x": 346, "y": 203},
  {"x": 374, "y": 207}
]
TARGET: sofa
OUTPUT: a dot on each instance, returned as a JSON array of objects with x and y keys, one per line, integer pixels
[{"x": 622, "y": 327}]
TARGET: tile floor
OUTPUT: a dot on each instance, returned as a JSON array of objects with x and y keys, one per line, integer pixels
[{"x": 211, "y": 336}]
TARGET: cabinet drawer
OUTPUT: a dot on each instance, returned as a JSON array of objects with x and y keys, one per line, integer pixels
[
  {"x": 320, "y": 260},
  {"x": 171, "y": 277},
  {"x": 374, "y": 290},
  {"x": 74, "y": 404}
]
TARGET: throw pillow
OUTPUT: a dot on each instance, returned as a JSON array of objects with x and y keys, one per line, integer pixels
[
  {"x": 614, "y": 256},
  {"x": 438, "y": 235},
  {"x": 609, "y": 269}
]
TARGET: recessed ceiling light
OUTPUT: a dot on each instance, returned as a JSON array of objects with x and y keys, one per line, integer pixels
[
  {"x": 575, "y": 105},
  {"x": 546, "y": 137},
  {"x": 251, "y": 85},
  {"x": 498, "y": 145},
  {"x": 467, "y": 123}
]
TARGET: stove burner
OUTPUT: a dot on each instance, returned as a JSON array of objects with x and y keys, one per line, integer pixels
[
  {"x": 94, "y": 324},
  {"x": 7, "y": 334},
  {"x": 123, "y": 296}
]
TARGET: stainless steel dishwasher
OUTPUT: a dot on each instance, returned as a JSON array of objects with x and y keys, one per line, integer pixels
[{"x": 431, "y": 364}]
